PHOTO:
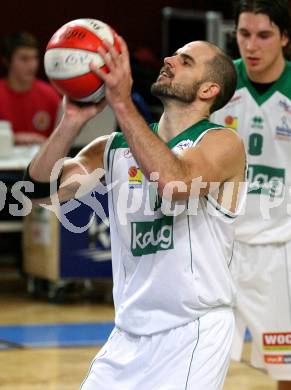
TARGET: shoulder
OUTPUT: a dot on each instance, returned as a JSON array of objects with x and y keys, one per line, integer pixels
[
  {"x": 285, "y": 78},
  {"x": 225, "y": 139},
  {"x": 223, "y": 132},
  {"x": 224, "y": 150},
  {"x": 94, "y": 150},
  {"x": 283, "y": 84},
  {"x": 238, "y": 63}
]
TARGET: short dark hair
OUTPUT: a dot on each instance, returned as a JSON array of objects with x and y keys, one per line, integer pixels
[
  {"x": 13, "y": 41},
  {"x": 277, "y": 10},
  {"x": 221, "y": 70}
]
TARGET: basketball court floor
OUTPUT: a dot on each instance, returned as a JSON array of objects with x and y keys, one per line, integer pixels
[{"x": 45, "y": 346}]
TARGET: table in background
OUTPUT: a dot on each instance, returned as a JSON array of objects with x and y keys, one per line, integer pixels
[{"x": 12, "y": 168}]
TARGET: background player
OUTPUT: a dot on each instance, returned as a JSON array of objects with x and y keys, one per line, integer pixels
[{"x": 261, "y": 112}]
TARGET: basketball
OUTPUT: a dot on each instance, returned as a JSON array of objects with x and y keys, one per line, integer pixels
[{"x": 68, "y": 55}]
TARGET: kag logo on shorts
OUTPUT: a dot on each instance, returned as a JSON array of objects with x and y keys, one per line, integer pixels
[{"x": 152, "y": 237}]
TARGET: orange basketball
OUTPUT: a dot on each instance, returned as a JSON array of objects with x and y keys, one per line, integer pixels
[{"x": 68, "y": 55}]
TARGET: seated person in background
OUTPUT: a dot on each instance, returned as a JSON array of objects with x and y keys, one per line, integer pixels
[{"x": 30, "y": 104}]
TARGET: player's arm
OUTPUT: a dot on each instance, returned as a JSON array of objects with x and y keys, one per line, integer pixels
[
  {"x": 219, "y": 157},
  {"x": 56, "y": 148},
  {"x": 85, "y": 170}
]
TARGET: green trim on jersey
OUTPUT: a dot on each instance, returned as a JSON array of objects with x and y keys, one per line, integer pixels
[
  {"x": 192, "y": 132},
  {"x": 283, "y": 84},
  {"x": 118, "y": 141},
  {"x": 219, "y": 208}
]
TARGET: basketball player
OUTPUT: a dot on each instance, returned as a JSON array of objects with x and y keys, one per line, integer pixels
[
  {"x": 173, "y": 292},
  {"x": 261, "y": 112}
]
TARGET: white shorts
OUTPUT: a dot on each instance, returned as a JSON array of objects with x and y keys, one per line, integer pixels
[
  {"x": 263, "y": 277},
  {"x": 191, "y": 357}
]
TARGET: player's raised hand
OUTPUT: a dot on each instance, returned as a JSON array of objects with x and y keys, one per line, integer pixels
[
  {"x": 80, "y": 113},
  {"x": 118, "y": 81}
]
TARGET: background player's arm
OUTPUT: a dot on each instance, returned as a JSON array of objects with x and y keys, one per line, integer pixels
[{"x": 58, "y": 146}]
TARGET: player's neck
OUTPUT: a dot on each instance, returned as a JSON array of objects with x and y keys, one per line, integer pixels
[
  {"x": 176, "y": 119},
  {"x": 270, "y": 74},
  {"x": 18, "y": 85}
]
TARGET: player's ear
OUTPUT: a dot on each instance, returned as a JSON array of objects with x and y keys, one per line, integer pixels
[
  {"x": 208, "y": 90},
  {"x": 284, "y": 40}
]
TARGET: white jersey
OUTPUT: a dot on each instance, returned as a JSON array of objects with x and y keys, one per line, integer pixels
[
  {"x": 264, "y": 123},
  {"x": 168, "y": 270}
]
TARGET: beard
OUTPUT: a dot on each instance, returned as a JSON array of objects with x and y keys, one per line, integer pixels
[{"x": 181, "y": 93}]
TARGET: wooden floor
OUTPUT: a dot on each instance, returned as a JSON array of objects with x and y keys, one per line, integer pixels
[{"x": 64, "y": 368}]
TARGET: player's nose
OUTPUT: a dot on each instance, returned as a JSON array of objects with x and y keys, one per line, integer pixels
[
  {"x": 251, "y": 43},
  {"x": 170, "y": 61}
]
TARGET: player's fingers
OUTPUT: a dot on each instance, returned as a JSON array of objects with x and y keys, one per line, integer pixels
[
  {"x": 124, "y": 50},
  {"x": 107, "y": 58},
  {"x": 122, "y": 45},
  {"x": 99, "y": 72},
  {"x": 112, "y": 51}
]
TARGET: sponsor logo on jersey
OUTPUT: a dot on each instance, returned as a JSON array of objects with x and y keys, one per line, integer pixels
[
  {"x": 236, "y": 98},
  {"x": 277, "y": 341},
  {"x": 127, "y": 153},
  {"x": 277, "y": 359},
  {"x": 186, "y": 144},
  {"x": 234, "y": 101},
  {"x": 152, "y": 237},
  {"x": 231, "y": 122},
  {"x": 285, "y": 105},
  {"x": 41, "y": 120},
  {"x": 266, "y": 180},
  {"x": 257, "y": 122},
  {"x": 284, "y": 130},
  {"x": 134, "y": 177}
]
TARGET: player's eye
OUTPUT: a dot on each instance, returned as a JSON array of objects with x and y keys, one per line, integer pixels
[
  {"x": 265, "y": 35},
  {"x": 244, "y": 33},
  {"x": 186, "y": 61}
]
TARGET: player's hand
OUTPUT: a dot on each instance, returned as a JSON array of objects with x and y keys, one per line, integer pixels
[
  {"x": 80, "y": 113},
  {"x": 118, "y": 82}
]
